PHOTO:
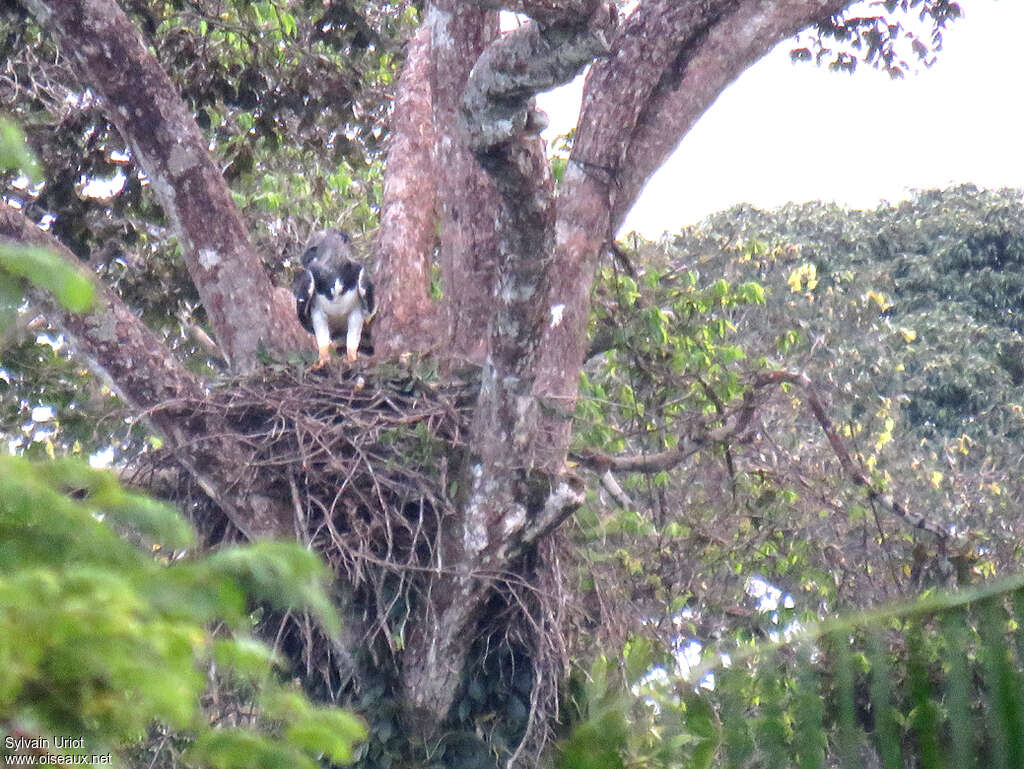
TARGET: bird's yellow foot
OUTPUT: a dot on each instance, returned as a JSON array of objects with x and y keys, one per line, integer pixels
[
  {"x": 322, "y": 360},
  {"x": 353, "y": 355}
]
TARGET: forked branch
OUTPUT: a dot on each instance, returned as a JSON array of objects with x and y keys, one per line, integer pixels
[
  {"x": 545, "y": 12},
  {"x": 497, "y": 102}
]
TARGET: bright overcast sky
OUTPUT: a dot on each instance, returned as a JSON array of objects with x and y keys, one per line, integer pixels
[{"x": 795, "y": 132}]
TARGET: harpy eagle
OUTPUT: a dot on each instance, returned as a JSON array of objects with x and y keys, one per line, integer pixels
[{"x": 333, "y": 294}]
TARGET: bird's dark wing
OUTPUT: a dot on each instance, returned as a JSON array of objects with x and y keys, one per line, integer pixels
[
  {"x": 309, "y": 255},
  {"x": 304, "y": 288},
  {"x": 366, "y": 296}
]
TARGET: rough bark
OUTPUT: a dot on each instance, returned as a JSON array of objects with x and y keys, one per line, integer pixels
[
  {"x": 123, "y": 352},
  {"x": 244, "y": 311},
  {"x": 466, "y": 202},
  {"x": 409, "y": 320},
  {"x": 498, "y": 99},
  {"x": 467, "y": 198},
  {"x": 510, "y": 501}
]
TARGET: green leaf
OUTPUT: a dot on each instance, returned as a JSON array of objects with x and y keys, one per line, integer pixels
[
  {"x": 596, "y": 744},
  {"x": 247, "y": 657},
  {"x": 637, "y": 658},
  {"x": 809, "y": 736},
  {"x": 283, "y": 574},
  {"x": 73, "y": 289},
  {"x": 700, "y": 717},
  {"x": 15, "y": 154},
  {"x": 241, "y": 749},
  {"x": 886, "y": 730},
  {"x": 329, "y": 732},
  {"x": 10, "y": 298},
  {"x": 703, "y": 755},
  {"x": 963, "y": 728}
]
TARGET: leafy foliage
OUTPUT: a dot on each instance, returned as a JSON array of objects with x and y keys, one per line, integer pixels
[
  {"x": 875, "y": 307},
  {"x": 102, "y": 638},
  {"x": 73, "y": 290},
  {"x": 890, "y": 35},
  {"x": 929, "y": 683}
]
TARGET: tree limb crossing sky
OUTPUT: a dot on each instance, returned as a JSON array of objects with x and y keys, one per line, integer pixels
[{"x": 795, "y": 132}]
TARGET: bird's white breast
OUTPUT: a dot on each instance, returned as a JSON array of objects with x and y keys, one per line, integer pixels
[{"x": 337, "y": 310}]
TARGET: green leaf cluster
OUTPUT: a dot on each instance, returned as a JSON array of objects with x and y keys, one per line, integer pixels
[
  {"x": 934, "y": 683},
  {"x": 73, "y": 289},
  {"x": 102, "y": 637}
]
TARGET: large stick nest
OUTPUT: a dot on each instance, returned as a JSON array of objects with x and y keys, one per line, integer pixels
[
  {"x": 361, "y": 460},
  {"x": 368, "y": 466}
]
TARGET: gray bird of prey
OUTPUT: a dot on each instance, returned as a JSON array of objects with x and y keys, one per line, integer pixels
[{"x": 332, "y": 293}]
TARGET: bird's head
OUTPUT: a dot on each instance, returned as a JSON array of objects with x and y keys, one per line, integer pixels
[{"x": 326, "y": 247}]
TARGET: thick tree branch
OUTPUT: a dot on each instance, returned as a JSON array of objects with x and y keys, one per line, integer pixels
[
  {"x": 616, "y": 90},
  {"x": 115, "y": 342},
  {"x": 688, "y": 445},
  {"x": 142, "y": 371},
  {"x": 562, "y": 501},
  {"x": 247, "y": 315},
  {"x": 466, "y": 202},
  {"x": 699, "y": 75},
  {"x": 467, "y": 197},
  {"x": 498, "y": 100},
  {"x": 618, "y": 87},
  {"x": 409, "y": 320}
]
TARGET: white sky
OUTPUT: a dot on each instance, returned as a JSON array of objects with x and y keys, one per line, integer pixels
[{"x": 795, "y": 132}]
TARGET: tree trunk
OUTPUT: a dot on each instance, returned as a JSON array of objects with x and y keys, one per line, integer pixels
[
  {"x": 466, "y": 196},
  {"x": 410, "y": 321},
  {"x": 246, "y": 314}
]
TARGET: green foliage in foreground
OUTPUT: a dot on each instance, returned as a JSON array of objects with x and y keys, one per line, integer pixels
[
  {"x": 102, "y": 638},
  {"x": 934, "y": 683},
  {"x": 72, "y": 289}
]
